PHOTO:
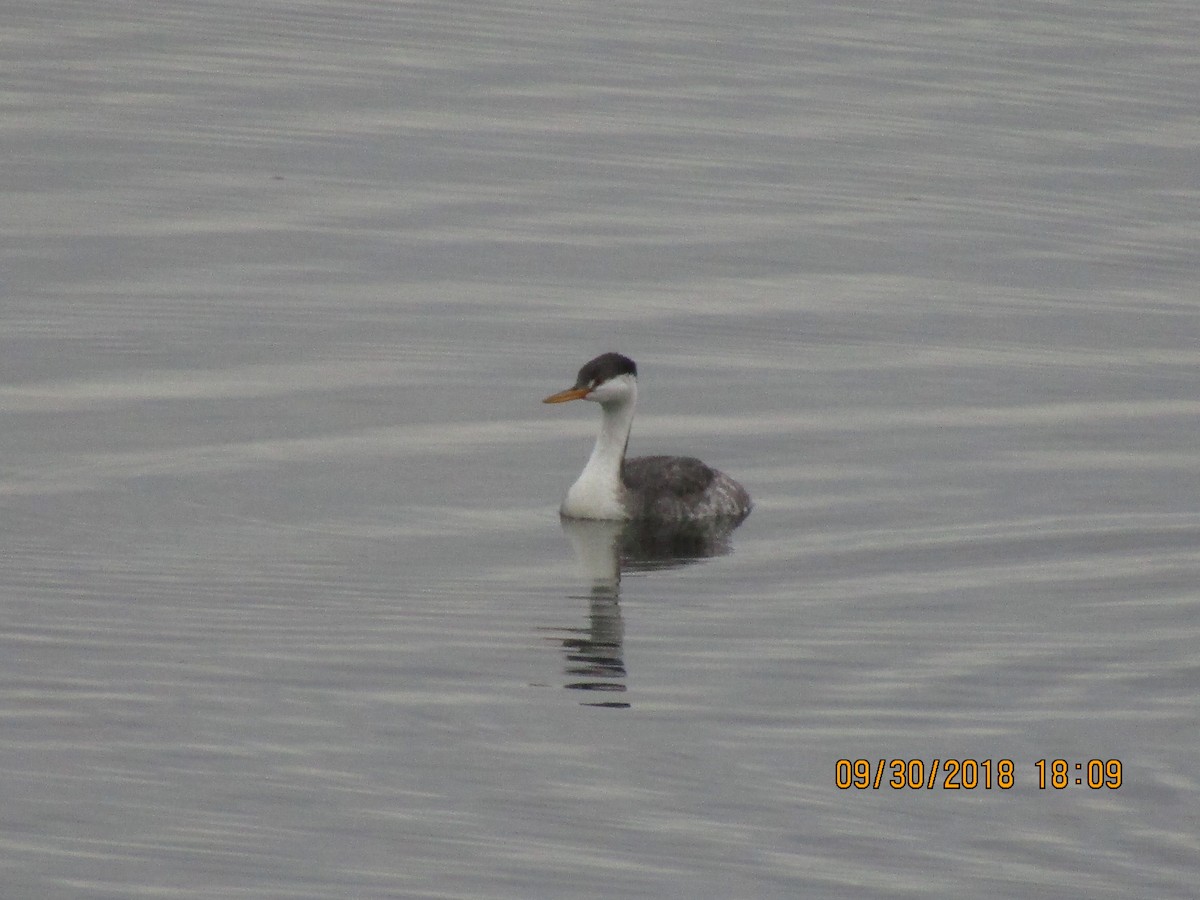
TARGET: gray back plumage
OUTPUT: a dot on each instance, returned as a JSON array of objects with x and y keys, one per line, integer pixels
[{"x": 680, "y": 487}]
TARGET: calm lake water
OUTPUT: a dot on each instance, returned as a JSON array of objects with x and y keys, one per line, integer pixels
[{"x": 286, "y": 607}]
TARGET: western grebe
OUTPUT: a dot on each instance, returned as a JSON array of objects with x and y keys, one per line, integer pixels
[{"x": 665, "y": 488}]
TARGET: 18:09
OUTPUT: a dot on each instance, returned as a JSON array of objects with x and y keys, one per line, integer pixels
[{"x": 1100, "y": 773}]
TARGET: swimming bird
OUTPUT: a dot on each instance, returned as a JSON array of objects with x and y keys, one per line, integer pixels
[{"x": 663, "y": 488}]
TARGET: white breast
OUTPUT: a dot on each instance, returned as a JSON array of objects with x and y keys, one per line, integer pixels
[{"x": 594, "y": 495}]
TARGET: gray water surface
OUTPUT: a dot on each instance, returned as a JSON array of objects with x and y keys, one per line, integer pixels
[{"x": 286, "y": 608}]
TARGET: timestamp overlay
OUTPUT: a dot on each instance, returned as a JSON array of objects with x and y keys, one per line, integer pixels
[{"x": 972, "y": 774}]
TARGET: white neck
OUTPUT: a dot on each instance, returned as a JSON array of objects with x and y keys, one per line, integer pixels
[{"x": 597, "y": 492}]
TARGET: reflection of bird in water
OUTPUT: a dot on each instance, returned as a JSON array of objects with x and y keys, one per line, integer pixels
[
  {"x": 646, "y": 546},
  {"x": 663, "y": 488},
  {"x": 605, "y": 549},
  {"x": 595, "y": 653}
]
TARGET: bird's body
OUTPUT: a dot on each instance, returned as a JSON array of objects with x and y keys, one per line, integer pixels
[{"x": 666, "y": 488}]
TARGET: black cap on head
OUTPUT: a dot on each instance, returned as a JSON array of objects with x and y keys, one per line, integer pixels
[{"x": 603, "y": 368}]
